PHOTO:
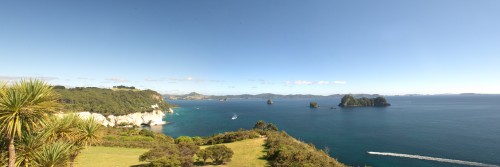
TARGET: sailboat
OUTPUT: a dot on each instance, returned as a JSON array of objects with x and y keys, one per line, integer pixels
[{"x": 234, "y": 116}]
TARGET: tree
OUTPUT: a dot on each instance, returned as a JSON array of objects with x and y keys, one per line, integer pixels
[
  {"x": 24, "y": 106},
  {"x": 271, "y": 127},
  {"x": 167, "y": 155},
  {"x": 204, "y": 155},
  {"x": 183, "y": 139},
  {"x": 260, "y": 125},
  {"x": 54, "y": 154},
  {"x": 72, "y": 129},
  {"x": 197, "y": 140},
  {"x": 186, "y": 153},
  {"x": 220, "y": 154}
]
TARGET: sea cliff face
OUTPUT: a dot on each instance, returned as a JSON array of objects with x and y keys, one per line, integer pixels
[{"x": 147, "y": 118}]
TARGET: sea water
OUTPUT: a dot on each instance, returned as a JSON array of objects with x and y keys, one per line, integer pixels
[{"x": 465, "y": 128}]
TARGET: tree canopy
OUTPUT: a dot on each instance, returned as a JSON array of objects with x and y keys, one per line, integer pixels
[
  {"x": 110, "y": 102},
  {"x": 350, "y": 101}
]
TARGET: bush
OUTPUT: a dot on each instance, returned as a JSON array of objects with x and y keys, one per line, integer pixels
[
  {"x": 220, "y": 154},
  {"x": 229, "y": 137},
  {"x": 204, "y": 155},
  {"x": 133, "y": 138},
  {"x": 183, "y": 139},
  {"x": 284, "y": 150},
  {"x": 167, "y": 155},
  {"x": 171, "y": 155},
  {"x": 263, "y": 127}
]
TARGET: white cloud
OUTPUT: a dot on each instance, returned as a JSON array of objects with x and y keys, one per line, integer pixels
[
  {"x": 84, "y": 78},
  {"x": 116, "y": 79},
  {"x": 154, "y": 79},
  {"x": 323, "y": 82},
  {"x": 302, "y": 82},
  {"x": 197, "y": 80},
  {"x": 18, "y": 78},
  {"x": 340, "y": 82}
]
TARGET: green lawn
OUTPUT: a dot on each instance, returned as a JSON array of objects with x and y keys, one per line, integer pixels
[
  {"x": 248, "y": 152},
  {"x": 109, "y": 157}
]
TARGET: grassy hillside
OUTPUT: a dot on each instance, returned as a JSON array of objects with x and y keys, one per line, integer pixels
[
  {"x": 249, "y": 152},
  {"x": 110, "y": 157},
  {"x": 107, "y": 101}
]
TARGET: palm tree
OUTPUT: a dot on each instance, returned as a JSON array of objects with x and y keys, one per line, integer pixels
[
  {"x": 54, "y": 154},
  {"x": 80, "y": 133},
  {"x": 24, "y": 106},
  {"x": 28, "y": 147}
]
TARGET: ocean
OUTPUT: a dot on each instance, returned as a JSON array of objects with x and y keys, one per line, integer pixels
[{"x": 415, "y": 131}]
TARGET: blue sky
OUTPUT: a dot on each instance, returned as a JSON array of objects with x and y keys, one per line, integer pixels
[{"x": 234, "y": 47}]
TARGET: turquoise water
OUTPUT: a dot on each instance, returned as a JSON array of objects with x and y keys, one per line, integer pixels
[{"x": 464, "y": 128}]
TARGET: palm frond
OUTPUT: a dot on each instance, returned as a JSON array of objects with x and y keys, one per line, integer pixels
[
  {"x": 24, "y": 106},
  {"x": 55, "y": 154}
]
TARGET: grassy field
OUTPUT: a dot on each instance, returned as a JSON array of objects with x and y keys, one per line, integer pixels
[
  {"x": 109, "y": 157},
  {"x": 247, "y": 153}
]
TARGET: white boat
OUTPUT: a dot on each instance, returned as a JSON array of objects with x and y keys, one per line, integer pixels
[{"x": 234, "y": 116}]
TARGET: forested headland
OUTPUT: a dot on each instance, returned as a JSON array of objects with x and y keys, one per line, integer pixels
[{"x": 124, "y": 100}]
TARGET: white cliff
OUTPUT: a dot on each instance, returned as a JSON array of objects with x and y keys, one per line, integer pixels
[{"x": 138, "y": 119}]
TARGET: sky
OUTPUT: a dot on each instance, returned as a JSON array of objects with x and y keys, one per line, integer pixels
[{"x": 221, "y": 47}]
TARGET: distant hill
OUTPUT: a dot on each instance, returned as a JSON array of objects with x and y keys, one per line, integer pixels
[
  {"x": 197, "y": 96},
  {"x": 119, "y": 101}
]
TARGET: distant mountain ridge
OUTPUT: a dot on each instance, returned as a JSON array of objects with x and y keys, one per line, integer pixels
[{"x": 197, "y": 96}]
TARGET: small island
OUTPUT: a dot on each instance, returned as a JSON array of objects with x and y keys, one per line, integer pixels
[
  {"x": 313, "y": 104},
  {"x": 350, "y": 101},
  {"x": 269, "y": 101}
]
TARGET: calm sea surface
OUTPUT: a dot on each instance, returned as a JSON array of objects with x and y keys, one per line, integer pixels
[{"x": 464, "y": 127}]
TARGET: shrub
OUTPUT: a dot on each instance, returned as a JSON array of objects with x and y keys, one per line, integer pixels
[
  {"x": 229, "y": 137},
  {"x": 284, "y": 150},
  {"x": 220, "y": 154},
  {"x": 183, "y": 139}
]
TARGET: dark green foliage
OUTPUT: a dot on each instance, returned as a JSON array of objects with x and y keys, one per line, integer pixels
[
  {"x": 123, "y": 87},
  {"x": 229, "y": 137},
  {"x": 186, "y": 152},
  {"x": 109, "y": 102},
  {"x": 350, "y": 101},
  {"x": 183, "y": 139},
  {"x": 271, "y": 127},
  {"x": 220, "y": 154},
  {"x": 166, "y": 155},
  {"x": 197, "y": 140},
  {"x": 171, "y": 155},
  {"x": 313, "y": 104},
  {"x": 262, "y": 127},
  {"x": 203, "y": 155},
  {"x": 58, "y": 87},
  {"x": 284, "y": 150},
  {"x": 134, "y": 138}
]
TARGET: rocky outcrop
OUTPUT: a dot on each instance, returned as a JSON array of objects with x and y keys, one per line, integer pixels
[
  {"x": 138, "y": 119},
  {"x": 269, "y": 101},
  {"x": 313, "y": 104},
  {"x": 350, "y": 101}
]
